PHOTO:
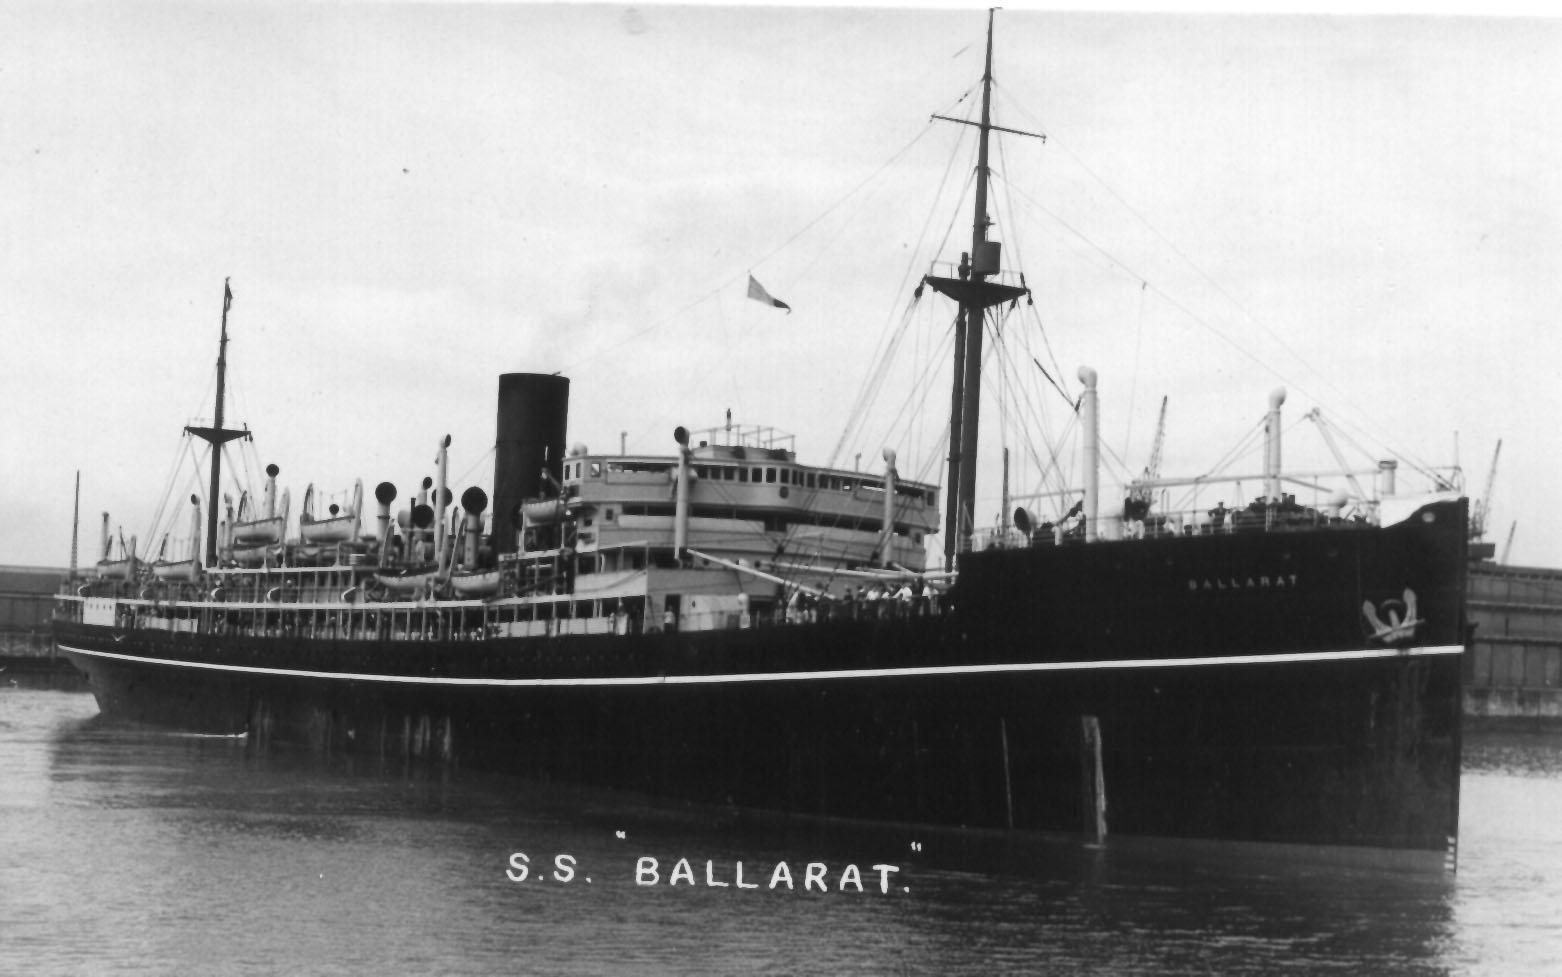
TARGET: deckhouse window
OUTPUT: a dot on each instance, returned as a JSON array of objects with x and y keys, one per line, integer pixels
[
  {"x": 770, "y": 475},
  {"x": 742, "y": 474},
  {"x": 596, "y": 469},
  {"x": 810, "y": 479},
  {"x": 646, "y": 467}
]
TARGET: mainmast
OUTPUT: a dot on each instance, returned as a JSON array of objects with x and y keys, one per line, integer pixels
[
  {"x": 217, "y": 435},
  {"x": 975, "y": 294}
]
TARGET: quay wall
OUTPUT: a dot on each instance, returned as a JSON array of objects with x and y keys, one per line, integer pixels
[
  {"x": 27, "y": 655},
  {"x": 26, "y": 604},
  {"x": 1514, "y": 668}
]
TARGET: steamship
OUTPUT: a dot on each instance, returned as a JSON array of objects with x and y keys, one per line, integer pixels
[{"x": 722, "y": 622}]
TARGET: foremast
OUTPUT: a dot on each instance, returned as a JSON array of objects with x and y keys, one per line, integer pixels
[
  {"x": 974, "y": 294},
  {"x": 217, "y": 435}
]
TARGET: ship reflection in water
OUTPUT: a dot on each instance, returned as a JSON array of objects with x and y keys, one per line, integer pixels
[{"x": 131, "y": 850}]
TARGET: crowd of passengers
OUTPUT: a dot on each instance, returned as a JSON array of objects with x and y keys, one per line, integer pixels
[{"x": 876, "y": 602}]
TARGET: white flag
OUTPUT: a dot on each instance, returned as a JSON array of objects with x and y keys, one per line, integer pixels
[{"x": 757, "y": 291}]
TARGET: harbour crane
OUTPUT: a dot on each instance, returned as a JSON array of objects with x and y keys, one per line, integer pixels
[
  {"x": 1483, "y": 504},
  {"x": 1152, "y": 469}
]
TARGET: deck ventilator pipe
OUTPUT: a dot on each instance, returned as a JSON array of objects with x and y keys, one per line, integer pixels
[{"x": 1090, "y": 424}]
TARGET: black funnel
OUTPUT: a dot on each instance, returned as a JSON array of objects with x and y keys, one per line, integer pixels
[{"x": 533, "y": 411}]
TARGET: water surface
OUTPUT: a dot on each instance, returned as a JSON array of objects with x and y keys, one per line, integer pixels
[{"x": 130, "y": 850}]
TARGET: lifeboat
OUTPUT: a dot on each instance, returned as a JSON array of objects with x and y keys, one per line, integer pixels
[
  {"x": 248, "y": 530},
  {"x": 258, "y": 532},
  {"x": 337, "y": 527},
  {"x": 543, "y": 513},
  {"x": 308, "y": 555},
  {"x": 475, "y": 583},
  {"x": 407, "y": 580},
  {"x": 127, "y": 567},
  {"x": 334, "y": 529},
  {"x": 176, "y": 569},
  {"x": 117, "y": 569},
  {"x": 254, "y": 556}
]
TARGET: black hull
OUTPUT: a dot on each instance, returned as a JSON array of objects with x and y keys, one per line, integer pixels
[{"x": 1281, "y": 720}]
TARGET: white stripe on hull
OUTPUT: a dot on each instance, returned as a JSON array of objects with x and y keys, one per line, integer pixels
[{"x": 845, "y": 673}]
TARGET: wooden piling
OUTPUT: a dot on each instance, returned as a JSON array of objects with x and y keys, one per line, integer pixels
[
  {"x": 1092, "y": 780},
  {"x": 1008, "y": 786}
]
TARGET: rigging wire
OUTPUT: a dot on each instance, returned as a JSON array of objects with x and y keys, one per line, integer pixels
[
  {"x": 485, "y": 458},
  {"x": 168, "y": 487},
  {"x": 247, "y": 451},
  {"x": 1030, "y": 306},
  {"x": 918, "y": 391},
  {"x": 208, "y": 395},
  {"x": 1005, "y": 397},
  {"x": 1250, "y": 442},
  {"x": 192, "y": 487},
  {"x": 1169, "y": 299},
  {"x": 1012, "y": 370},
  {"x": 1011, "y": 366},
  {"x": 1133, "y": 378},
  {"x": 882, "y": 359},
  {"x": 1374, "y": 456},
  {"x": 1416, "y": 463},
  {"x": 678, "y": 314},
  {"x": 869, "y": 392}
]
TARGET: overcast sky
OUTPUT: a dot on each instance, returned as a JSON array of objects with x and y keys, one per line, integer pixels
[{"x": 413, "y": 200}]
